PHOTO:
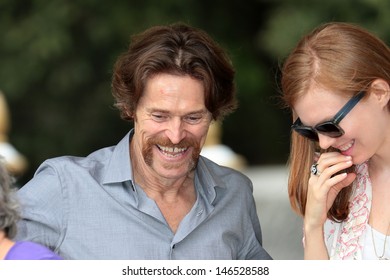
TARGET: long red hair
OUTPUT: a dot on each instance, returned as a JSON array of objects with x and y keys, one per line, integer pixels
[{"x": 345, "y": 59}]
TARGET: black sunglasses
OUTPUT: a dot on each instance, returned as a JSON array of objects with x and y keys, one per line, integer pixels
[{"x": 329, "y": 128}]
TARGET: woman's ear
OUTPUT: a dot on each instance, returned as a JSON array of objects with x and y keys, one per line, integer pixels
[{"x": 380, "y": 89}]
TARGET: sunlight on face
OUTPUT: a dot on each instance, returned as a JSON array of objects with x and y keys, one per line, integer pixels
[
  {"x": 361, "y": 139},
  {"x": 171, "y": 124}
]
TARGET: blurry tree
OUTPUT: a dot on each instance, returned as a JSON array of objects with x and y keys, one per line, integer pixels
[
  {"x": 291, "y": 19},
  {"x": 56, "y": 60}
]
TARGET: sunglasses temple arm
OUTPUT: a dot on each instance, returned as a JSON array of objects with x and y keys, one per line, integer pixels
[{"x": 348, "y": 107}]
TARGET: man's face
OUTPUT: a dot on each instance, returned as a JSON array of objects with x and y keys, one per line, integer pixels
[{"x": 171, "y": 124}]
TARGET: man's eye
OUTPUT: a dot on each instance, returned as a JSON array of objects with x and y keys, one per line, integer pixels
[
  {"x": 193, "y": 119},
  {"x": 158, "y": 117}
]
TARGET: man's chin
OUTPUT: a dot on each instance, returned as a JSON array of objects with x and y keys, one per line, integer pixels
[{"x": 173, "y": 170}]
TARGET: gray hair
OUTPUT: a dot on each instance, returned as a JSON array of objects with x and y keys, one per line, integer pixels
[{"x": 9, "y": 207}]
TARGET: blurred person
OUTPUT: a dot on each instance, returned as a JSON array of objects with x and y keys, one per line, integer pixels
[
  {"x": 220, "y": 153},
  {"x": 336, "y": 82},
  {"x": 152, "y": 196},
  {"x": 15, "y": 162},
  {"x": 9, "y": 215}
]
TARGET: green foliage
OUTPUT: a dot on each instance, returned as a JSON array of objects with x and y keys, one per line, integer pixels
[
  {"x": 292, "y": 19},
  {"x": 56, "y": 60}
]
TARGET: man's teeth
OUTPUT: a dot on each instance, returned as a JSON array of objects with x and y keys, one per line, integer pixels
[{"x": 171, "y": 149}]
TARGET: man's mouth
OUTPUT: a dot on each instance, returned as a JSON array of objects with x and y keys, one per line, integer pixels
[{"x": 172, "y": 151}]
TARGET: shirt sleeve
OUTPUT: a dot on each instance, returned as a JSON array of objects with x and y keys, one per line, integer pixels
[
  {"x": 256, "y": 252},
  {"x": 43, "y": 208},
  {"x": 253, "y": 247}
]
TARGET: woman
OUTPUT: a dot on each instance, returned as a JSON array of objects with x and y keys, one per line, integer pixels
[
  {"x": 9, "y": 215},
  {"x": 336, "y": 82}
]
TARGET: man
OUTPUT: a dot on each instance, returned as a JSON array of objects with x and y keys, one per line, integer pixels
[{"x": 152, "y": 196}]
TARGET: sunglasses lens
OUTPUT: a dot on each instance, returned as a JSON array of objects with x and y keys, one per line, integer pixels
[
  {"x": 307, "y": 132},
  {"x": 330, "y": 129}
]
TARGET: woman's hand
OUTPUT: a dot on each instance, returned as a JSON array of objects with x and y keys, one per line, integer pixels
[
  {"x": 324, "y": 187},
  {"x": 322, "y": 191}
]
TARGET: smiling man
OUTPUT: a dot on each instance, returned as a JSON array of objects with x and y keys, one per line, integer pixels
[{"x": 152, "y": 196}]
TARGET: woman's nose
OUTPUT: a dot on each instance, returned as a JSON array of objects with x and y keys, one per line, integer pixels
[{"x": 325, "y": 142}]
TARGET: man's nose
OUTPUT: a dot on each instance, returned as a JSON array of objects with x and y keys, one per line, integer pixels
[{"x": 175, "y": 130}]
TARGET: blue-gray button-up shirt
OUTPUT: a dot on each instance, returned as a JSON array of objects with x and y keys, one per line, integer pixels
[{"x": 91, "y": 208}]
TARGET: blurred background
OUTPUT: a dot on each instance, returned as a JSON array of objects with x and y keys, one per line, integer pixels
[{"x": 56, "y": 61}]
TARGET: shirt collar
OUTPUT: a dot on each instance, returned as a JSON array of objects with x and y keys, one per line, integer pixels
[
  {"x": 208, "y": 180},
  {"x": 119, "y": 167}
]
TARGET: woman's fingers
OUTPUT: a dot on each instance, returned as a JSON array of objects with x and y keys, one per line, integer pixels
[
  {"x": 325, "y": 186},
  {"x": 331, "y": 163}
]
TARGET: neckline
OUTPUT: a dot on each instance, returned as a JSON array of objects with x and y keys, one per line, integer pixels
[{"x": 377, "y": 233}]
